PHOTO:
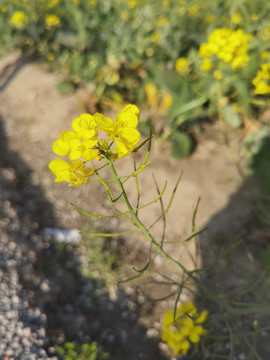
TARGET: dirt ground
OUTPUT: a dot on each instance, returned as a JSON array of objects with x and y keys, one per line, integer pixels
[{"x": 34, "y": 113}]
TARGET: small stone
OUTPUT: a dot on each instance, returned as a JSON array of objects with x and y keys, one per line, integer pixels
[
  {"x": 44, "y": 286},
  {"x": 152, "y": 333}
]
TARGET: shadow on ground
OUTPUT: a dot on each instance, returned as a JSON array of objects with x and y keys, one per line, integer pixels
[
  {"x": 232, "y": 251},
  {"x": 51, "y": 277}
]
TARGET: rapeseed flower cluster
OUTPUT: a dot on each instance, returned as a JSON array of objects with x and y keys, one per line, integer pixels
[
  {"x": 52, "y": 21},
  {"x": 183, "y": 330},
  {"x": 87, "y": 142},
  {"x": 19, "y": 19},
  {"x": 182, "y": 65},
  {"x": 262, "y": 80},
  {"x": 227, "y": 45}
]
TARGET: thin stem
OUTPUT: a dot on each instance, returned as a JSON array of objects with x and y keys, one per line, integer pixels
[{"x": 148, "y": 235}]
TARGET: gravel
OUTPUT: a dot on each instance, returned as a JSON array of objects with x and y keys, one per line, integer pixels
[
  {"x": 22, "y": 332},
  {"x": 22, "y": 324}
]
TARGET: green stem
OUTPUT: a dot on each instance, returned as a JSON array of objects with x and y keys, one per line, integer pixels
[{"x": 147, "y": 233}]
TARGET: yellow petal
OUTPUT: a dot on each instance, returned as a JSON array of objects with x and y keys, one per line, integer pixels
[
  {"x": 130, "y": 135},
  {"x": 103, "y": 122}
]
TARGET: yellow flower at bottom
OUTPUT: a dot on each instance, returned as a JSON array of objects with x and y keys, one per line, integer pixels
[
  {"x": 185, "y": 329},
  {"x": 74, "y": 172}
]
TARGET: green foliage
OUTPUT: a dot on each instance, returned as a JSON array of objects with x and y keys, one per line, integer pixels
[
  {"x": 129, "y": 50},
  {"x": 258, "y": 147},
  {"x": 181, "y": 145},
  {"x": 87, "y": 351}
]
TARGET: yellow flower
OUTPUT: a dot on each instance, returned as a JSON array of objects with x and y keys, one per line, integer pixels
[
  {"x": 19, "y": 19},
  {"x": 265, "y": 55},
  {"x": 262, "y": 88},
  {"x": 193, "y": 10},
  {"x": 181, "y": 65},
  {"x": 52, "y": 3},
  {"x": 217, "y": 75},
  {"x": 262, "y": 80},
  {"x": 132, "y": 4},
  {"x": 83, "y": 149},
  {"x": 52, "y": 20},
  {"x": 254, "y": 17},
  {"x": 185, "y": 329},
  {"x": 3, "y": 9},
  {"x": 93, "y": 2},
  {"x": 85, "y": 127},
  {"x": 209, "y": 19},
  {"x": 161, "y": 22},
  {"x": 228, "y": 46},
  {"x": 206, "y": 64},
  {"x": 151, "y": 92},
  {"x": 166, "y": 102},
  {"x": 50, "y": 56},
  {"x": 125, "y": 15},
  {"x": 86, "y": 142},
  {"x": 155, "y": 36},
  {"x": 236, "y": 18},
  {"x": 74, "y": 172},
  {"x": 123, "y": 130}
]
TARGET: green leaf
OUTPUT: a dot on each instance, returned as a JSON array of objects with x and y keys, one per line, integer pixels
[
  {"x": 266, "y": 259},
  {"x": 231, "y": 116},
  {"x": 65, "y": 88},
  {"x": 258, "y": 145},
  {"x": 180, "y": 107},
  {"x": 180, "y": 145}
]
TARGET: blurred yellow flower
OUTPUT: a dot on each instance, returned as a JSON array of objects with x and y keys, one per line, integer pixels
[
  {"x": 132, "y": 4},
  {"x": 125, "y": 15},
  {"x": 209, "y": 19},
  {"x": 93, "y": 2},
  {"x": 217, "y": 74},
  {"x": 161, "y": 22},
  {"x": 262, "y": 80},
  {"x": 19, "y": 19},
  {"x": 206, "y": 64},
  {"x": 254, "y": 17},
  {"x": 40, "y": 47},
  {"x": 3, "y": 9},
  {"x": 52, "y": 3},
  {"x": 265, "y": 55},
  {"x": 50, "y": 56},
  {"x": 185, "y": 329},
  {"x": 52, "y": 20},
  {"x": 166, "y": 101},
  {"x": 266, "y": 30},
  {"x": 155, "y": 36},
  {"x": 228, "y": 46},
  {"x": 112, "y": 77},
  {"x": 236, "y": 18},
  {"x": 193, "y": 10},
  {"x": 182, "y": 65},
  {"x": 151, "y": 92}
]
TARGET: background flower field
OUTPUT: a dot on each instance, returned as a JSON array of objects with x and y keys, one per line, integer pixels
[{"x": 201, "y": 97}]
